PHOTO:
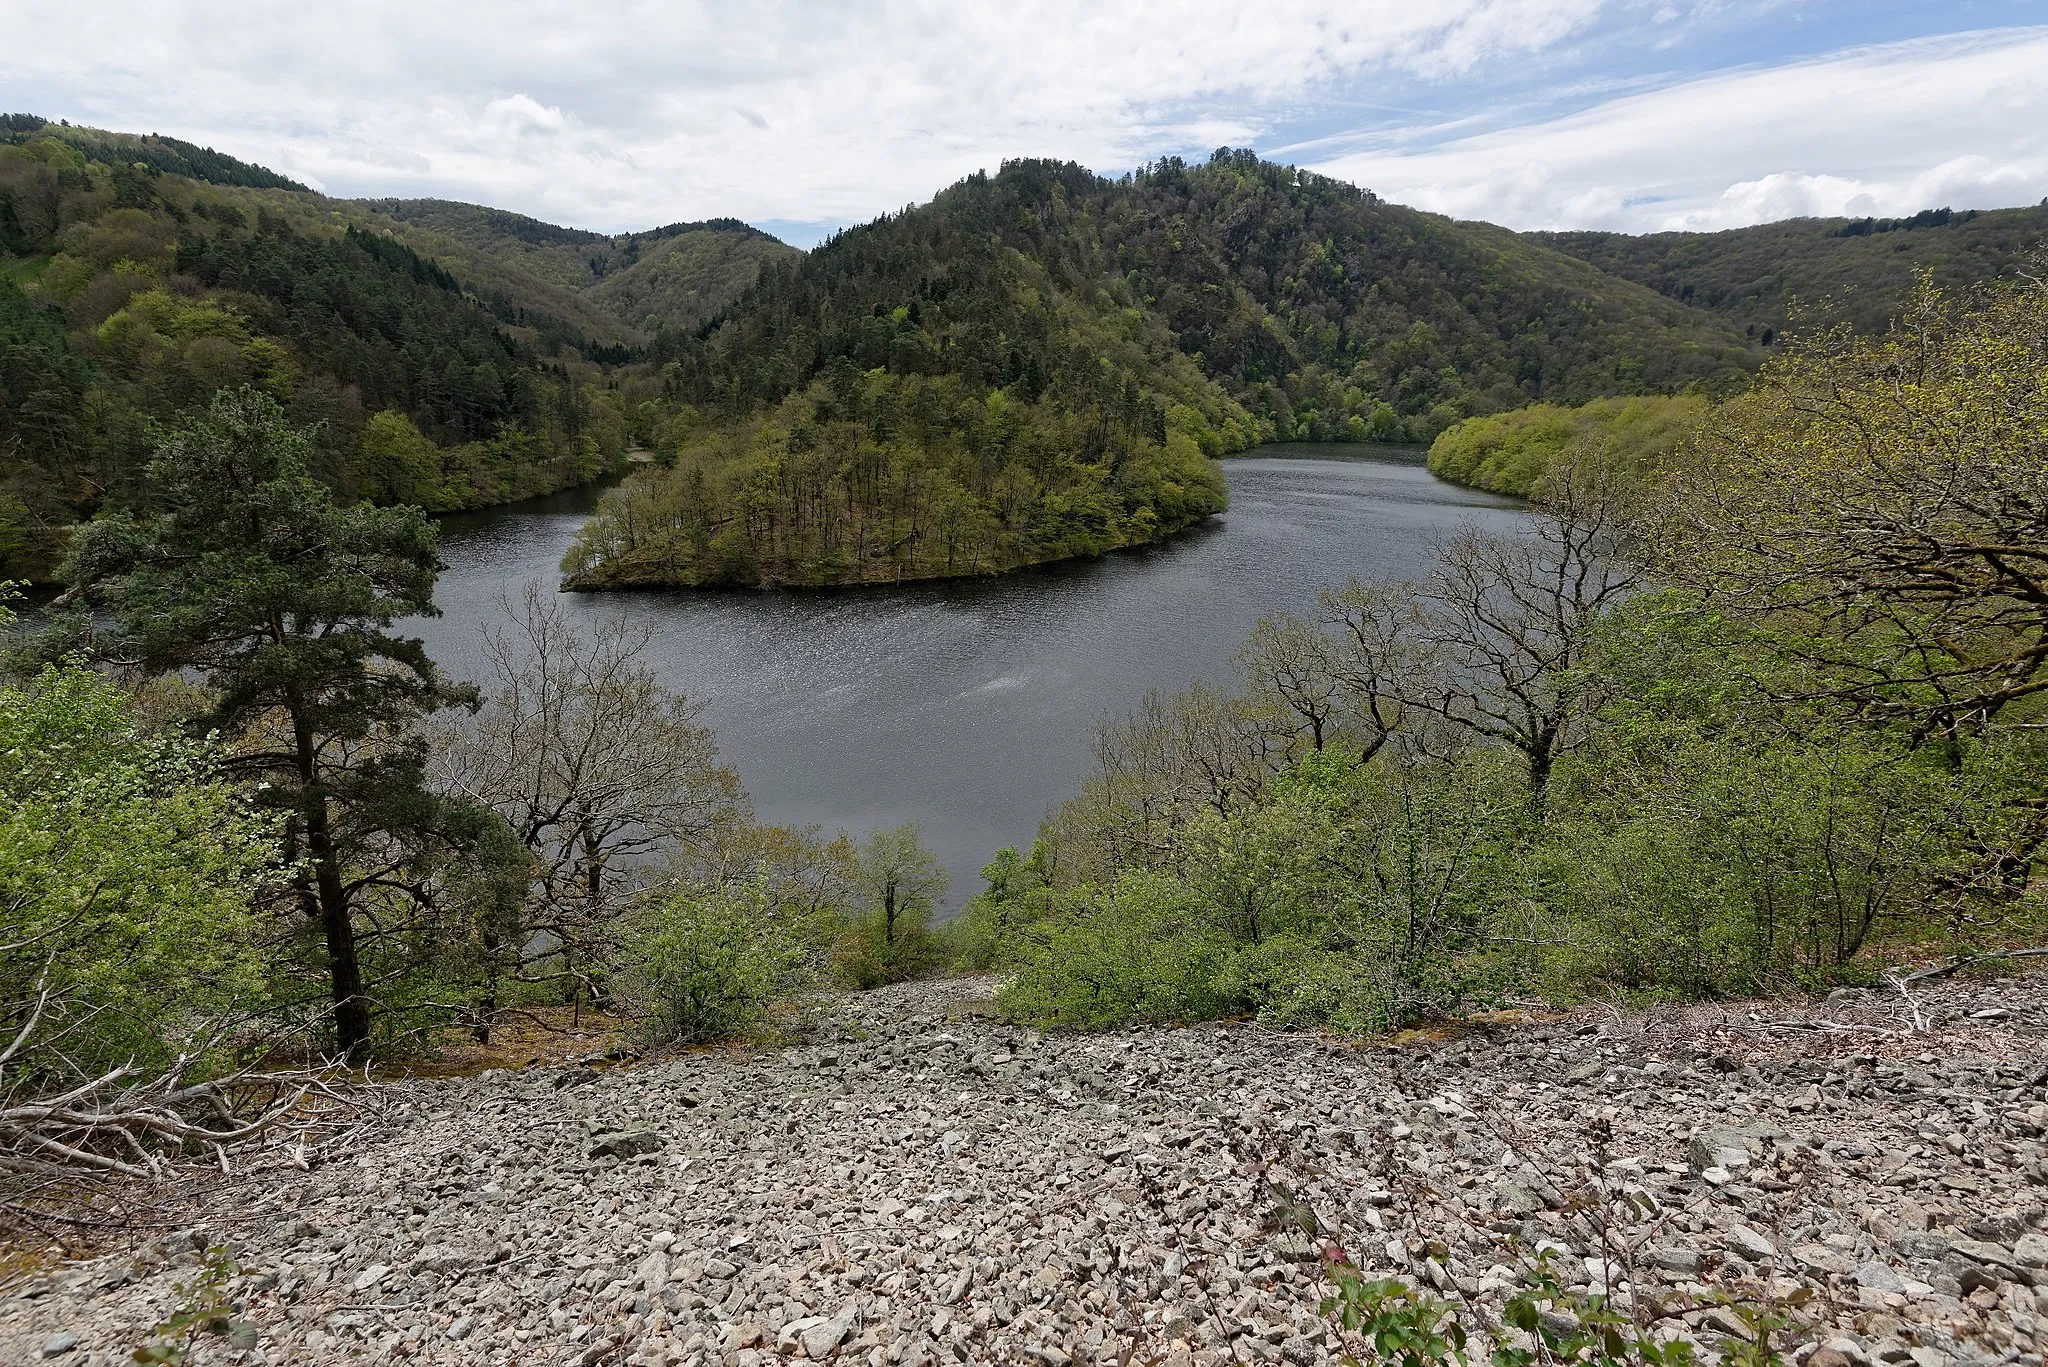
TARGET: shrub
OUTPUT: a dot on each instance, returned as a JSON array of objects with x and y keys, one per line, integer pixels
[
  {"x": 712, "y": 964},
  {"x": 1136, "y": 951},
  {"x": 128, "y": 873}
]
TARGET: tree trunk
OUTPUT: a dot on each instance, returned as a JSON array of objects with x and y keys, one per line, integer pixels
[
  {"x": 487, "y": 1004},
  {"x": 1540, "y": 760},
  {"x": 345, "y": 971}
]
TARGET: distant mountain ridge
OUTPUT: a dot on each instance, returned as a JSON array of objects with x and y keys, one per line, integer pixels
[
  {"x": 673, "y": 277},
  {"x": 1857, "y": 271},
  {"x": 1036, "y": 364},
  {"x": 170, "y": 156}
]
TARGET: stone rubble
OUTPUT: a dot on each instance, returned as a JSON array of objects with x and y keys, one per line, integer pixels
[{"x": 922, "y": 1184}]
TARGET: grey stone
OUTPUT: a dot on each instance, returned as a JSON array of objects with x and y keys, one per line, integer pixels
[
  {"x": 1878, "y": 1276},
  {"x": 1820, "y": 1258},
  {"x": 446, "y": 1258},
  {"x": 1684, "y": 1261},
  {"x": 1519, "y": 1199},
  {"x": 625, "y": 1144},
  {"x": 1724, "y": 1149},
  {"x": 1749, "y": 1244},
  {"x": 59, "y": 1344}
]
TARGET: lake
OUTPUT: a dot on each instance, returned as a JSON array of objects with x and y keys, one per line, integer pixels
[{"x": 968, "y": 706}]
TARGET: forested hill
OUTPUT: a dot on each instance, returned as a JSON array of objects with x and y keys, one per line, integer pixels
[
  {"x": 1853, "y": 270},
  {"x": 130, "y": 293},
  {"x": 677, "y": 277},
  {"x": 149, "y": 151},
  {"x": 1035, "y": 364},
  {"x": 1316, "y": 305}
]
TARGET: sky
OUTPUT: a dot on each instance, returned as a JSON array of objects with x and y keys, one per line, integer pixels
[{"x": 804, "y": 116}]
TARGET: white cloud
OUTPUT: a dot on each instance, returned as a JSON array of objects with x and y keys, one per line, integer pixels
[
  {"x": 813, "y": 111},
  {"x": 1890, "y": 130},
  {"x": 648, "y": 112}
]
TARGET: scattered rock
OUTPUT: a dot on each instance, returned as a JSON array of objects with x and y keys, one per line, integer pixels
[{"x": 923, "y": 1185}]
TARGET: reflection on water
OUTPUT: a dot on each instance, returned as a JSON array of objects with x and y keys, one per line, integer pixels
[{"x": 967, "y": 706}]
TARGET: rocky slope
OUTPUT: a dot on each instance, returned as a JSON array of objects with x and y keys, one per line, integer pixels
[{"x": 922, "y": 1184}]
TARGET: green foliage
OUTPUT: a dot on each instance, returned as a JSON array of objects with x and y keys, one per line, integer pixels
[
  {"x": 1307, "y": 300},
  {"x": 1593, "y": 1330},
  {"x": 1515, "y": 452},
  {"x": 154, "y": 152},
  {"x": 133, "y": 293},
  {"x": 1816, "y": 755},
  {"x": 1703, "y": 846},
  {"x": 1097, "y": 958},
  {"x": 1405, "y": 1327},
  {"x": 204, "y": 1309},
  {"x": 1035, "y": 365},
  {"x": 1814, "y": 272},
  {"x": 887, "y": 936},
  {"x": 131, "y": 875},
  {"x": 909, "y": 478},
  {"x": 675, "y": 277},
  {"x": 1348, "y": 895},
  {"x": 237, "y": 564},
  {"x": 705, "y": 965}
]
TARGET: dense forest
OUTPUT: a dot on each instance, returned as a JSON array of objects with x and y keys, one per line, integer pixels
[
  {"x": 1117, "y": 328},
  {"x": 1039, "y": 363},
  {"x": 1815, "y": 271},
  {"x": 132, "y": 290},
  {"x": 1753, "y": 712}
]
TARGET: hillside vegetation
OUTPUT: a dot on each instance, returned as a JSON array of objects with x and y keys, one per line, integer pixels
[
  {"x": 1032, "y": 365},
  {"x": 678, "y": 276},
  {"x": 1831, "y": 270},
  {"x": 1515, "y": 452},
  {"x": 140, "y": 276}
]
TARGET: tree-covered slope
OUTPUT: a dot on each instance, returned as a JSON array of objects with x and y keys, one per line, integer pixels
[
  {"x": 1036, "y": 364},
  {"x": 677, "y": 276},
  {"x": 1324, "y": 310},
  {"x": 130, "y": 295},
  {"x": 1858, "y": 271}
]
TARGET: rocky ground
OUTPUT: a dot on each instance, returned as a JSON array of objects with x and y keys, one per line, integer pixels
[{"x": 923, "y": 1184}]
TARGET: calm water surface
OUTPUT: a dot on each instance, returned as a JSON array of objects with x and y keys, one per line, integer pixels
[{"x": 967, "y": 707}]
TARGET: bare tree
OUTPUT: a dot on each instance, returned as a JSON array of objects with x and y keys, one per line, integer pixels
[
  {"x": 598, "y": 768},
  {"x": 1503, "y": 622},
  {"x": 61, "y": 1119},
  {"x": 1292, "y": 663},
  {"x": 1373, "y": 653},
  {"x": 1493, "y": 644}
]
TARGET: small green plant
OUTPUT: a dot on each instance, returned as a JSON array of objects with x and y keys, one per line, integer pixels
[
  {"x": 203, "y": 1308},
  {"x": 1580, "y": 1329},
  {"x": 1406, "y": 1327},
  {"x": 1589, "y": 1330}
]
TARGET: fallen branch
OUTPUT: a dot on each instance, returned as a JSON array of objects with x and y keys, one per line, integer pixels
[
  {"x": 1962, "y": 961},
  {"x": 1919, "y": 1018}
]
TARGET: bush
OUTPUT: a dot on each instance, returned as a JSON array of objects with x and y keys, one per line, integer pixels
[
  {"x": 1137, "y": 951},
  {"x": 713, "y": 964},
  {"x": 128, "y": 873},
  {"x": 1356, "y": 896}
]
